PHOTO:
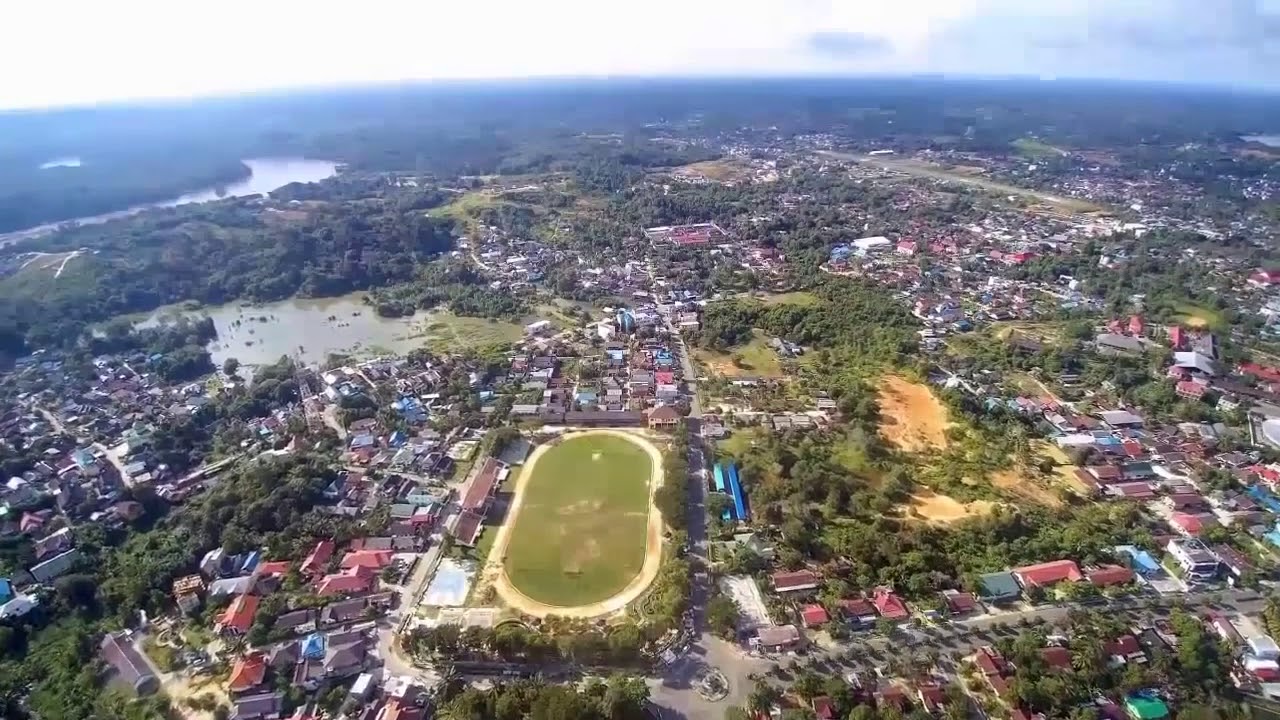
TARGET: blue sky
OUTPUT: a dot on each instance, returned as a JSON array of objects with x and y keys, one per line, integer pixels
[{"x": 58, "y": 52}]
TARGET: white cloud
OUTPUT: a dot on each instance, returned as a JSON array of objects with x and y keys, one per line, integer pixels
[{"x": 69, "y": 51}]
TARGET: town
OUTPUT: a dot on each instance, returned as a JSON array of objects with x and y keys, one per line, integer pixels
[{"x": 820, "y": 428}]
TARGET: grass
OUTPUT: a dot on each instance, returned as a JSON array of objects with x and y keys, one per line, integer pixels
[
  {"x": 467, "y": 207},
  {"x": 1036, "y": 150},
  {"x": 1198, "y": 316},
  {"x": 755, "y": 358},
  {"x": 797, "y": 297},
  {"x": 445, "y": 332},
  {"x": 161, "y": 655},
  {"x": 580, "y": 533}
]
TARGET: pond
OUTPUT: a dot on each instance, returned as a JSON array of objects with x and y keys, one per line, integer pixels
[{"x": 310, "y": 329}]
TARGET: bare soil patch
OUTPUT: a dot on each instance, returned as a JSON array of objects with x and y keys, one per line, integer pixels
[
  {"x": 911, "y": 416},
  {"x": 944, "y": 509}
]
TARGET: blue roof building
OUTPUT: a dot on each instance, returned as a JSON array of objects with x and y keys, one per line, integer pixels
[
  {"x": 6, "y": 590},
  {"x": 735, "y": 488},
  {"x": 313, "y": 646}
]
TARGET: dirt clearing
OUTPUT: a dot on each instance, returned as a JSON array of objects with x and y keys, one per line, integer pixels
[
  {"x": 944, "y": 510},
  {"x": 911, "y": 416}
]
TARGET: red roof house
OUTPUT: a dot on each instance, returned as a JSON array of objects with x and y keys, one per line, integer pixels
[
  {"x": 1057, "y": 658},
  {"x": 814, "y": 616},
  {"x": 275, "y": 568},
  {"x": 797, "y": 581},
  {"x": 238, "y": 617},
  {"x": 482, "y": 486},
  {"x": 1046, "y": 574},
  {"x": 1191, "y": 389},
  {"x": 1136, "y": 326},
  {"x": 858, "y": 609},
  {"x": 371, "y": 559},
  {"x": 247, "y": 673},
  {"x": 1110, "y": 575},
  {"x": 348, "y": 582},
  {"x": 823, "y": 708},
  {"x": 319, "y": 557},
  {"x": 889, "y": 605},
  {"x": 1187, "y": 524}
]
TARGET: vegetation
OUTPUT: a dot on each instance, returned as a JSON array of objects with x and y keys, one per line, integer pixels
[{"x": 580, "y": 534}]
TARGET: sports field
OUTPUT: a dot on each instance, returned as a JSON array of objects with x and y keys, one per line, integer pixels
[{"x": 581, "y": 524}]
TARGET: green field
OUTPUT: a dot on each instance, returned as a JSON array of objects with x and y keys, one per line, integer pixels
[
  {"x": 1198, "y": 316},
  {"x": 445, "y": 332},
  {"x": 580, "y": 532},
  {"x": 755, "y": 358}
]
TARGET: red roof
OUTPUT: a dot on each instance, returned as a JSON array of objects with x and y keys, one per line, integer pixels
[
  {"x": 239, "y": 614},
  {"x": 1135, "y": 490},
  {"x": 482, "y": 486},
  {"x": 247, "y": 673},
  {"x": 468, "y": 528},
  {"x": 1263, "y": 372},
  {"x": 889, "y": 605},
  {"x": 1189, "y": 388},
  {"x": 960, "y": 602},
  {"x": 352, "y": 581},
  {"x": 1124, "y": 645},
  {"x": 822, "y": 708},
  {"x": 798, "y": 580},
  {"x": 274, "y": 568},
  {"x": 814, "y": 615},
  {"x": 857, "y": 607},
  {"x": 1111, "y": 575},
  {"x": 1136, "y": 326},
  {"x": 1048, "y": 573},
  {"x": 319, "y": 557},
  {"x": 1057, "y": 658},
  {"x": 664, "y": 377},
  {"x": 989, "y": 661},
  {"x": 372, "y": 559},
  {"x": 1188, "y": 523}
]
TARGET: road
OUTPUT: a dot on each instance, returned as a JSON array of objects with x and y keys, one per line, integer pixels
[{"x": 106, "y": 452}]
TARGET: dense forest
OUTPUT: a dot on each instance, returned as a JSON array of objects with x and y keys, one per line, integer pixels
[{"x": 213, "y": 254}]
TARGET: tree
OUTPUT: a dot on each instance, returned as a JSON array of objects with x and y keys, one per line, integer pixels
[
  {"x": 230, "y": 366},
  {"x": 722, "y": 616}
]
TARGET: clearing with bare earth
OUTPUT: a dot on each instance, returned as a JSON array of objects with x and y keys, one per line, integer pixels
[{"x": 912, "y": 418}]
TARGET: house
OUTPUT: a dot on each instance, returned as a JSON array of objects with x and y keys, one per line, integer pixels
[
  {"x": 55, "y": 566},
  {"x": 858, "y": 610},
  {"x": 297, "y": 621},
  {"x": 467, "y": 530},
  {"x": 814, "y": 616},
  {"x": 267, "y": 706},
  {"x": 15, "y": 606},
  {"x": 343, "y": 611},
  {"x": 238, "y": 617},
  {"x": 959, "y": 604},
  {"x": 1195, "y": 559},
  {"x": 347, "y": 582},
  {"x": 799, "y": 581},
  {"x": 779, "y": 638},
  {"x": 247, "y": 673},
  {"x": 1047, "y": 574},
  {"x": 1125, "y": 649},
  {"x": 889, "y": 605},
  {"x": 1109, "y": 576},
  {"x": 369, "y": 559},
  {"x": 318, "y": 559},
  {"x": 1056, "y": 658},
  {"x": 1233, "y": 561},
  {"x": 186, "y": 591},
  {"x": 998, "y": 587},
  {"x": 121, "y": 655},
  {"x": 663, "y": 417}
]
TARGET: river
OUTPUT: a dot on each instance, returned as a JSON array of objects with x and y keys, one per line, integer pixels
[
  {"x": 310, "y": 329},
  {"x": 265, "y": 175},
  {"x": 1268, "y": 140}
]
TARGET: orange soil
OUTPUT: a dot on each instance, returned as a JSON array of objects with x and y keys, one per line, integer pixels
[
  {"x": 944, "y": 510},
  {"x": 911, "y": 416}
]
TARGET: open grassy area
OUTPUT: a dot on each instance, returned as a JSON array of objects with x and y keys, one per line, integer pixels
[
  {"x": 579, "y": 535},
  {"x": 1036, "y": 150},
  {"x": 797, "y": 297},
  {"x": 1198, "y": 316},
  {"x": 755, "y": 358},
  {"x": 467, "y": 206},
  {"x": 445, "y": 332}
]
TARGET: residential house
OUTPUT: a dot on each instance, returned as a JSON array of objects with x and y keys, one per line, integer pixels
[
  {"x": 795, "y": 582},
  {"x": 814, "y": 616},
  {"x": 1109, "y": 576},
  {"x": 1194, "y": 558},
  {"x": 998, "y": 587},
  {"x": 959, "y": 604},
  {"x": 663, "y": 417},
  {"x": 247, "y": 674},
  {"x": 266, "y": 706},
  {"x": 859, "y": 611},
  {"x": 779, "y": 638},
  {"x": 119, "y": 652},
  {"x": 55, "y": 566},
  {"x": 238, "y": 616},
  {"x": 889, "y": 605},
  {"x": 1047, "y": 574}
]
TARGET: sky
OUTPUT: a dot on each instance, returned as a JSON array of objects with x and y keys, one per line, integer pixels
[{"x": 65, "y": 52}]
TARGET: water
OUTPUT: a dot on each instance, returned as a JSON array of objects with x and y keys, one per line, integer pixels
[
  {"x": 308, "y": 330},
  {"x": 62, "y": 162},
  {"x": 266, "y": 175},
  {"x": 1268, "y": 140}
]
